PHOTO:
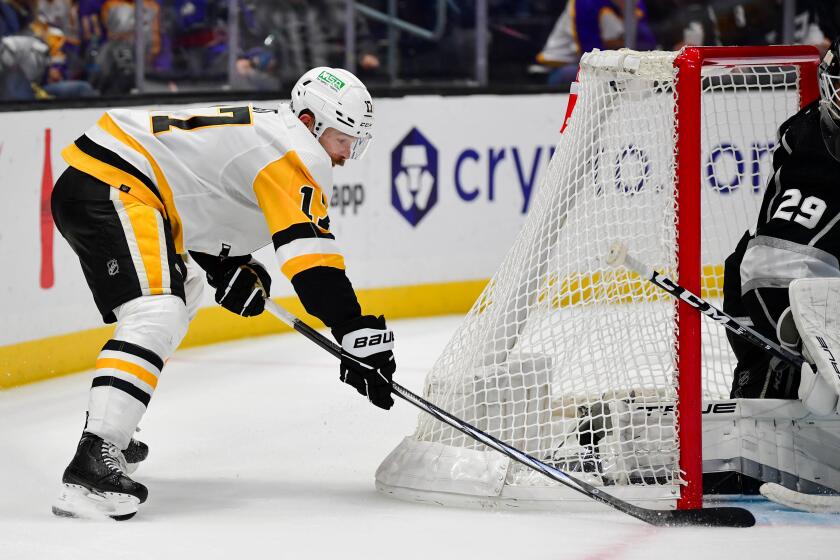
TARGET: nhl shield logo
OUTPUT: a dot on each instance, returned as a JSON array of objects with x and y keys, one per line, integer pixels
[
  {"x": 113, "y": 267},
  {"x": 414, "y": 170}
]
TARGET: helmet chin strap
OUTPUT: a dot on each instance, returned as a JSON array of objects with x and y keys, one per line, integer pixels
[{"x": 830, "y": 132}]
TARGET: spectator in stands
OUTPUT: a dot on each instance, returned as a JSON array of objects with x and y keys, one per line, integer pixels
[
  {"x": 298, "y": 29},
  {"x": 302, "y": 34},
  {"x": 757, "y": 22},
  {"x": 677, "y": 23},
  {"x": 8, "y": 19},
  {"x": 15, "y": 81},
  {"x": 815, "y": 23},
  {"x": 64, "y": 15},
  {"x": 32, "y": 59},
  {"x": 57, "y": 13},
  {"x": 23, "y": 58},
  {"x": 117, "y": 17},
  {"x": 112, "y": 72},
  {"x": 256, "y": 70},
  {"x": 450, "y": 57},
  {"x": 91, "y": 32},
  {"x": 200, "y": 43},
  {"x": 367, "y": 57},
  {"x": 585, "y": 25},
  {"x": 16, "y": 16}
]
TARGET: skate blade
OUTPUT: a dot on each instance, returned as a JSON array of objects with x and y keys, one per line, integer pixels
[{"x": 83, "y": 503}]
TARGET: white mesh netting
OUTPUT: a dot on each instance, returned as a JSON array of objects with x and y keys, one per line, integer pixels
[{"x": 561, "y": 354}]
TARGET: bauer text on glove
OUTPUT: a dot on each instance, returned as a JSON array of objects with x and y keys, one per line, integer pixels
[{"x": 367, "y": 361}]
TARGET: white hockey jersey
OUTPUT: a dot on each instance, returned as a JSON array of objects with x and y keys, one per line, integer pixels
[{"x": 228, "y": 179}]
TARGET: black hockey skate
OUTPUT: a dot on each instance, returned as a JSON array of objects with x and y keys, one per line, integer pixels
[{"x": 95, "y": 484}]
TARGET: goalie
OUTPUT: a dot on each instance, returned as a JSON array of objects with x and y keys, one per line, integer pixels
[{"x": 785, "y": 279}]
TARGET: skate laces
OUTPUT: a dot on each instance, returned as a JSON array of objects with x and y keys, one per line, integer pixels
[{"x": 113, "y": 457}]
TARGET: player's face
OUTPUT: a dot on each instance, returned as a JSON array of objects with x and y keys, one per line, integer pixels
[{"x": 337, "y": 144}]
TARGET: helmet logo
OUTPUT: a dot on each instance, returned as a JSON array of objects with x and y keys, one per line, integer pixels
[{"x": 331, "y": 80}]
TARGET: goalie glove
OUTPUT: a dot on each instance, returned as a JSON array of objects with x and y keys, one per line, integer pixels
[
  {"x": 367, "y": 358},
  {"x": 241, "y": 287}
]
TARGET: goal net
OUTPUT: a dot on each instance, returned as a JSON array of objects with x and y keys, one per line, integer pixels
[{"x": 587, "y": 367}]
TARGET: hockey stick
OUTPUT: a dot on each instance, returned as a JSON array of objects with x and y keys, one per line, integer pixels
[
  {"x": 618, "y": 256},
  {"x": 813, "y": 503},
  {"x": 807, "y": 502},
  {"x": 716, "y": 516}
]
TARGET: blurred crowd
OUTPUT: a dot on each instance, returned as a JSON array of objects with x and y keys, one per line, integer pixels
[
  {"x": 81, "y": 48},
  {"x": 672, "y": 24}
]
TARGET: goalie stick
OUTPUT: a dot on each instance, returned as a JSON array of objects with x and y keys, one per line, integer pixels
[
  {"x": 714, "y": 516},
  {"x": 813, "y": 503},
  {"x": 618, "y": 256}
]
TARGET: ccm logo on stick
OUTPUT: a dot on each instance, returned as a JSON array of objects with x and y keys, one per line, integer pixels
[{"x": 373, "y": 340}]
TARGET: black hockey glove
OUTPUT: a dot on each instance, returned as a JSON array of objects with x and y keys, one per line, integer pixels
[
  {"x": 241, "y": 287},
  {"x": 366, "y": 339}
]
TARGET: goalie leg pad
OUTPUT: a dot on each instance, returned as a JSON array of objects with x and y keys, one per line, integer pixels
[
  {"x": 818, "y": 396},
  {"x": 815, "y": 306},
  {"x": 773, "y": 440}
]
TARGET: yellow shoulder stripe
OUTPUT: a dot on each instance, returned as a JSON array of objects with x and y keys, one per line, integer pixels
[{"x": 278, "y": 189}]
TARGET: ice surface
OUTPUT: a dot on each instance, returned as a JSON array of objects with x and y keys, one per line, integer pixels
[{"x": 257, "y": 451}]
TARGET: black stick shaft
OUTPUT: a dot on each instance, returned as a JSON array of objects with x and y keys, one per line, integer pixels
[
  {"x": 733, "y": 517},
  {"x": 743, "y": 331}
]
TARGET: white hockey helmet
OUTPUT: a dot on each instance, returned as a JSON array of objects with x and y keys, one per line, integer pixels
[{"x": 337, "y": 99}]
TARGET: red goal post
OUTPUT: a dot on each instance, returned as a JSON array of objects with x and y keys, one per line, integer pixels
[{"x": 690, "y": 64}]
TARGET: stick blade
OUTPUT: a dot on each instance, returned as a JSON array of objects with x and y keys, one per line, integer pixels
[
  {"x": 617, "y": 254},
  {"x": 813, "y": 503},
  {"x": 707, "y": 517}
]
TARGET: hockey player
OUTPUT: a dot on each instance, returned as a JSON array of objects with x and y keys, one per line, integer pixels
[
  {"x": 783, "y": 280},
  {"x": 148, "y": 195}
]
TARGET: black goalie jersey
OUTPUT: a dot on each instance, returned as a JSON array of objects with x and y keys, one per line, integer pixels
[{"x": 797, "y": 236}]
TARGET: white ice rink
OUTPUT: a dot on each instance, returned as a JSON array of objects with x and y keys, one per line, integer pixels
[{"x": 257, "y": 451}]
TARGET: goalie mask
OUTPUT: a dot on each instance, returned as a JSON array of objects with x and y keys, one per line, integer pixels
[
  {"x": 829, "y": 76},
  {"x": 337, "y": 99}
]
